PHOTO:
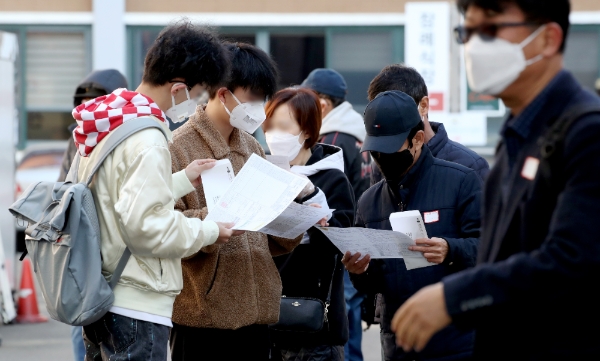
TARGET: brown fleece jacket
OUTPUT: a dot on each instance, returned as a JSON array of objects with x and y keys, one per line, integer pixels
[{"x": 235, "y": 284}]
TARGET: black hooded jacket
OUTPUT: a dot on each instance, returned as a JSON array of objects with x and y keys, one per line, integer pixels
[
  {"x": 308, "y": 272},
  {"x": 97, "y": 83}
]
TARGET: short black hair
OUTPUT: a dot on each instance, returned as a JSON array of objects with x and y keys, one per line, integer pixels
[
  {"x": 413, "y": 132},
  {"x": 251, "y": 68},
  {"x": 398, "y": 77},
  {"x": 536, "y": 11},
  {"x": 188, "y": 51},
  {"x": 335, "y": 101}
]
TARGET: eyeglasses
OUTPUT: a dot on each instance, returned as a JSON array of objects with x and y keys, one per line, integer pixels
[{"x": 486, "y": 31}]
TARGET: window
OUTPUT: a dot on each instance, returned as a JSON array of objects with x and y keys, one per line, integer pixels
[
  {"x": 141, "y": 39},
  {"x": 297, "y": 56},
  {"x": 582, "y": 54},
  {"x": 360, "y": 56},
  {"x": 55, "y": 63}
]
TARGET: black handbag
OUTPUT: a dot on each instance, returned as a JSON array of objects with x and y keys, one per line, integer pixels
[{"x": 303, "y": 314}]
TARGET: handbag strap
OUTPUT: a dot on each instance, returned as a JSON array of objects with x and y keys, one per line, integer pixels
[
  {"x": 287, "y": 260},
  {"x": 328, "y": 299}
]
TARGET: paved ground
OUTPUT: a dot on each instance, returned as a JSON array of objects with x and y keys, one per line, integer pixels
[{"x": 51, "y": 341}]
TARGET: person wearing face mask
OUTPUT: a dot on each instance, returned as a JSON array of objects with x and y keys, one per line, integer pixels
[
  {"x": 533, "y": 293},
  {"x": 448, "y": 195},
  {"x": 135, "y": 193},
  {"x": 408, "y": 80},
  {"x": 231, "y": 292},
  {"x": 314, "y": 268},
  {"x": 343, "y": 126}
]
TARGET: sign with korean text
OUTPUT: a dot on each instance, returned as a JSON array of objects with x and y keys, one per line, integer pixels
[{"x": 427, "y": 48}]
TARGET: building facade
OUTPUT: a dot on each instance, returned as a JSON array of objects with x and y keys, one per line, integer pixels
[{"x": 61, "y": 41}]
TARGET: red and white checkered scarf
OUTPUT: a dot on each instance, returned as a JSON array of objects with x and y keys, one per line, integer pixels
[{"x": 98, "y": 117}]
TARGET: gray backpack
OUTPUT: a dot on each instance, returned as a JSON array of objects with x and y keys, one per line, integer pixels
[{"x": 63, "y": 239}]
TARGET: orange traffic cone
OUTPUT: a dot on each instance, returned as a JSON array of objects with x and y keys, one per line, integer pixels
[{"x": 28, "y": 307}]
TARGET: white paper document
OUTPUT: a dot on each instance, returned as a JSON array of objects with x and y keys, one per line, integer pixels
[
  {"x": 411, "y": 224},
  {"x": 215, "y": 182},
  {"x": 279, "y": 160},
  {"x": 295, "y": 220},
  {"x": 376, "y": 243},
  {"x": 258, "y": 194}
]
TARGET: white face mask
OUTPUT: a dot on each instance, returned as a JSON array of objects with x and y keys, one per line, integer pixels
[
  {"x": 494, "y": 65},
  {"x": 285, "y": 144},
  {"x": 246, "y": 116},
  {"x": 180, "y": 112}
]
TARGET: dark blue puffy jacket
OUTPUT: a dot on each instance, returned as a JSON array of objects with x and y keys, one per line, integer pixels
[
  {"x": 443, "y": 148},
  {"x": 431, "y": 185}
]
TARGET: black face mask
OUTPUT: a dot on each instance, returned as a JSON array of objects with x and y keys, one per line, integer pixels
[{"x": 393, "y": 165}]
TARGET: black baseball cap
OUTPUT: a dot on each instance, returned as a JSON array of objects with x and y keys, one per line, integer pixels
[
  {"x": 389, "y": 119},
  {"x": 326, "y": 81}
]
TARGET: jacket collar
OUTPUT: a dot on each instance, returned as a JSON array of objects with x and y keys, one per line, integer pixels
[
  {"x": 344, "y": 119},
  {"x": 323, "y": 157},
  {"x": 207, "y": 131},
  {"x": 547, "y": 106},
  {"x": 439, "y": 140}
]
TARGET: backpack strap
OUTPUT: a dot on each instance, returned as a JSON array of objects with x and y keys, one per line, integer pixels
[
  {"x": 552, "y": 142},
  {"x": 113, "y": 140},
  {"x": 114, "y": 279}
]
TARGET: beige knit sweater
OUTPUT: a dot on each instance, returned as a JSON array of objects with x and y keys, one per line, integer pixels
[{"x": 236, "y": 284}]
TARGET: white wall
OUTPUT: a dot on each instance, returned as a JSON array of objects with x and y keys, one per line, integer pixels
[
  {"x": 8, "y": 122},
  {"x": 108, "y": 35}
]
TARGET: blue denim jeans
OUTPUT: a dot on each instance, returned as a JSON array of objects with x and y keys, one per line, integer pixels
[
  {"x": 353, "y": 348},
  {"x": 77, "y": 341},
  {"x": 115, "y": 337}
]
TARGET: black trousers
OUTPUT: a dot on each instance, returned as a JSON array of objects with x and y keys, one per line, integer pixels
[{"x": 208, "y": 344}]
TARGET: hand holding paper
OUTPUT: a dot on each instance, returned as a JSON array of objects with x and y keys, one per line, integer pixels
[
  {"x": 356, "y": 264},
  {"x": 323, "y": 221},
  {"x": 216, "y": 180},
  {"x": 411, "y": 224},
  {"x": 260, "y": 198},
  {"x": 194, "y": 169},
  {"x": 434, "y": 250}
]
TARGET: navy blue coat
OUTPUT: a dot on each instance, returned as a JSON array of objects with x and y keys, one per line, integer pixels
[
  {"x": 534, "y": 294},
  {"x": 443, "y": 148},
  {"x": 431, "y": 185}
]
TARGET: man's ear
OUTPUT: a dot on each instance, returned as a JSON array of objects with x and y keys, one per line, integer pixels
[
  {"x": 553, "y": 39},
  {"x": 177, "y": 87},
  {"x": 221, "y": 93},
  {"x": 324, "y": 104},
  {"x": 424, "y": 106},
  {"x": 419, "y": 139}
]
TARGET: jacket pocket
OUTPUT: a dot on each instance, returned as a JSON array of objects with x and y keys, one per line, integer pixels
[{"x": 161, "y": 270}]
